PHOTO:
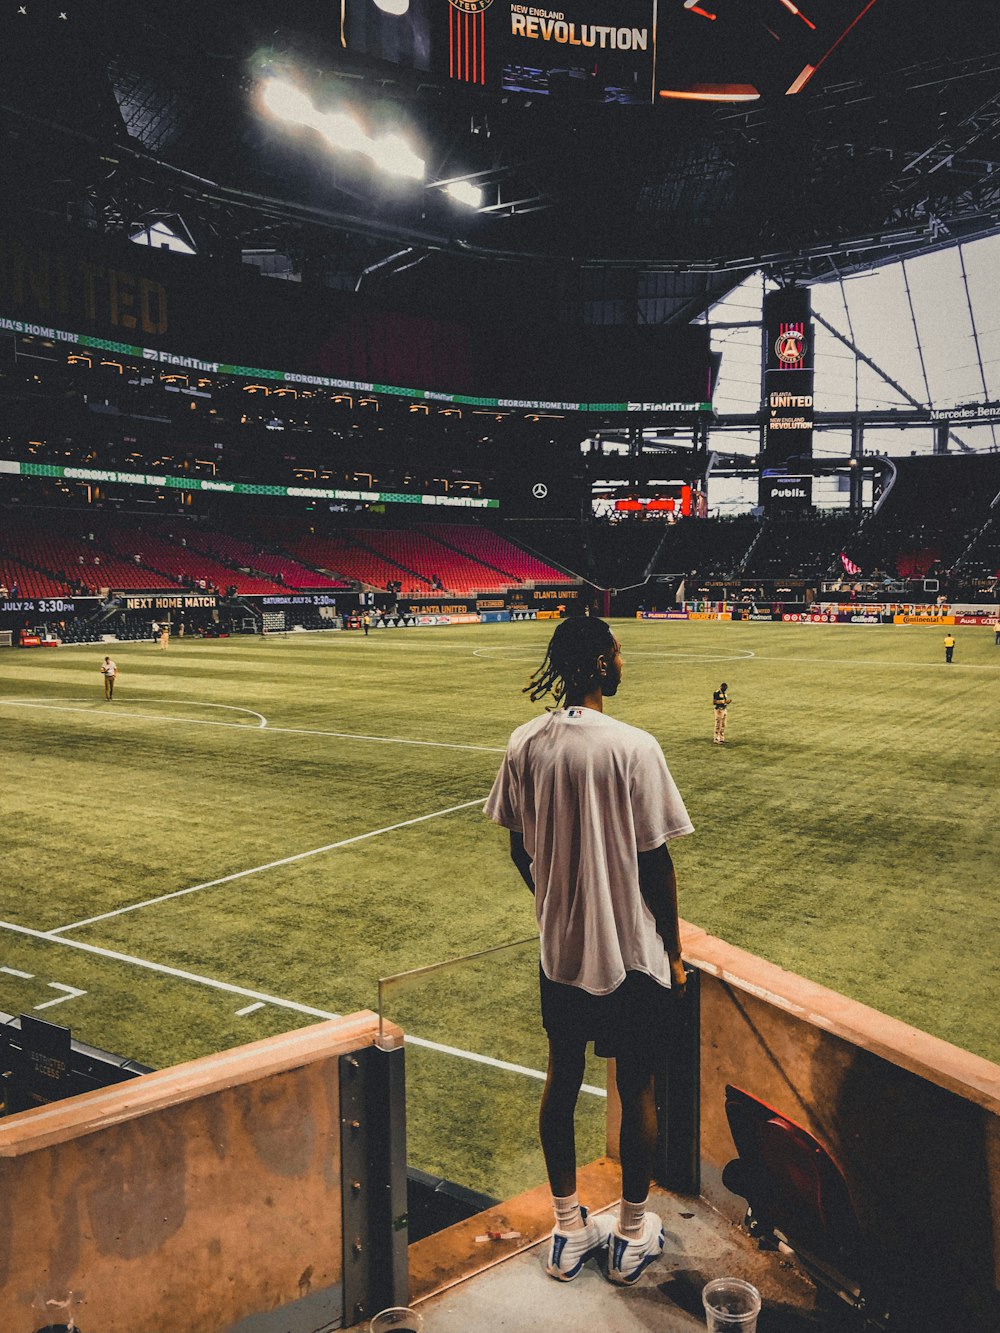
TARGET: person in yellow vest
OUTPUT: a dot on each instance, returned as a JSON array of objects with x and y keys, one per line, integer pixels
[
  {"x": 720, "y": 701},
  {"x": 949, "y": 646}
]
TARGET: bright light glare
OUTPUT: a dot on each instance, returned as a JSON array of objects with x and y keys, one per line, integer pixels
[
  {"x": 464, "y": 192},
  {"x": 289, "y": 103},
  {"x": 341, "y": 131},
  {"x": 396, "y": 7},
  {"x": 393, "y": 154}
]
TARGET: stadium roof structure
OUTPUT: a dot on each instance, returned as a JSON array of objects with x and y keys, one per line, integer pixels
[{"x": 126, "y": 117}]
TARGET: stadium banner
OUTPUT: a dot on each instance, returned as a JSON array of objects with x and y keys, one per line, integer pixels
[
  {"x": 661, "y": 615},
  {"x": 741, "y": 613},
  {"x": 588, "y": 50},
  {"x": 471, "y": 619},
  {"x": 709, "y": 615},
  {"x": 977, "y": 620},
  {"x": 491, "y": 617},
  {"x": 188, "y": 483},
  {"x": 924, "y": 620},
  {"x": 182, "y": 601},
  {"x": 49, "y": 606},
  {"x": 785, "y": 483},
  {"x": 498, "y": 603},
  {"x": 299, "y": 598},
  {"x": 523, "y": 615},
  {"x": 440, "y": 606}
]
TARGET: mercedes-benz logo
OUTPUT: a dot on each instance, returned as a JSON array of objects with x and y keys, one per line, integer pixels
[{"x": 539, "y": 490}]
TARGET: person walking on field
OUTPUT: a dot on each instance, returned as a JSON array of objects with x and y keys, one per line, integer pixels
[
  {"x": 590, "y": 806},
  {"x": 366, "y": 623},
  {"x": 949, "y": 646},
  {"x": 721, "y": 702},
  {"x": 164, "y": 637},
  {"x": 110, "y": 673}
]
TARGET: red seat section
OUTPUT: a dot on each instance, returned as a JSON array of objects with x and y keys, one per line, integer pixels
[
  {"x": 343, "y": 555},
  {"x": 29, "y": 582},
  {"x": 238, "y": 551},
  {"x": 497, "y": 552}
]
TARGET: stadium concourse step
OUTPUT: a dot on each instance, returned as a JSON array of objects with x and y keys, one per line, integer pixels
[{"x": 459, "y": 1284}]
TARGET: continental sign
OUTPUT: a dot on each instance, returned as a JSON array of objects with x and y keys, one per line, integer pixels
[{"x": 923, "y": 620}]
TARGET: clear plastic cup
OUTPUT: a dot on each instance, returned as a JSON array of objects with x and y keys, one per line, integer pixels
[
  {"x": 731, "y": 1305},
  {"x": 398, "y": 1319}
]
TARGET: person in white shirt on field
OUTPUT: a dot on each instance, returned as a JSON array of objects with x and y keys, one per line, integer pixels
[
  {"x": 590, "y": 806},
  {"x": 110, "y": 673}
]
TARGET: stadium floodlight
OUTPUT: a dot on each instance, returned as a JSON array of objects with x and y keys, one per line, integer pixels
[
  {"x": 393, "y": 154},
  {"x": 464, "y": 192},
  {"x": 289, "y": 103},
  {"x": 341, "y": 131}
]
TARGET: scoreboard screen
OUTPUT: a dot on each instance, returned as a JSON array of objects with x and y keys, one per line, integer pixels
[{"x": 613, "y": 51}]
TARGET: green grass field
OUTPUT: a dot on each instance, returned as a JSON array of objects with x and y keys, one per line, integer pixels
[{"x": 203, "y": 880}]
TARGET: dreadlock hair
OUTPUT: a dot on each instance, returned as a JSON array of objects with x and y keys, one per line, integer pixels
[{"x": 570, "y": 664}]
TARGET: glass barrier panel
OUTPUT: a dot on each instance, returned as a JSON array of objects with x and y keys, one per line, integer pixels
[{"x": 475, "y": 1065}]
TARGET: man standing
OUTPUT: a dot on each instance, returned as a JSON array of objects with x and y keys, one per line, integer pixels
[
  {"x": 110, "y": 672},
  {"x": 366, "y": 623},
  {"x": 720, "y": 701},
  {"x": 156, "y": 632},
  {"x": 949, "y": 646},
  {"x": 590, "y": 806}
]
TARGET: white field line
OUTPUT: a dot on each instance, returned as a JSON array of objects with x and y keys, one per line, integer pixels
[
  {"x": 101, "y": 713},
  {"x": 262, "y": 997},
  {"x": 270, "y": 865}
]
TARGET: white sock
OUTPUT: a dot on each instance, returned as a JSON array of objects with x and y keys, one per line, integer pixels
[
  {"x": 630, "y": 1219},
  {"x": 568, "y": 1215}
]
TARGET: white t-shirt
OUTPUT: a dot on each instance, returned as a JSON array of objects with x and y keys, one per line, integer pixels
[
  {"x": 588, "y": 793},
  {"x": 109, "y": 669}
]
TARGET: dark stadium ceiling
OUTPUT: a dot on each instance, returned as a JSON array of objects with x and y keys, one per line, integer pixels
[{"x": 116, "y": 114}]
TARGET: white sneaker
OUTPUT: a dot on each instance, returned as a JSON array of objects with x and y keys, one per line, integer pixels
[
  {"x": 628, "y": 1258},
  {"x": 570, "y": 1250}
]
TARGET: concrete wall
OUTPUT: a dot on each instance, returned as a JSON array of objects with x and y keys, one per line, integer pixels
[
  {"x": 186, "y": 1200},
  {"x": 913, "y": 1122}
]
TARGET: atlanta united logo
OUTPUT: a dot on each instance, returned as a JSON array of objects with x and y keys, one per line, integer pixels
[
  {"x": 470, "y": 6},
  {"x": 790, "y": 346}
]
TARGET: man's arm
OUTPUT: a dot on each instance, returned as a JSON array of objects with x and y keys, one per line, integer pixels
[
  {"x": 522, "y": 860},
  {"x": 658, "y": 885}
]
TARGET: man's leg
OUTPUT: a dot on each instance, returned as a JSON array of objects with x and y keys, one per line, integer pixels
[
  {"x": 637, "y": 1143},
  {"x": 575, "y": 1238},
  {"x": 637, "y": 1241},
  {"x": 555, "y": 1117}
]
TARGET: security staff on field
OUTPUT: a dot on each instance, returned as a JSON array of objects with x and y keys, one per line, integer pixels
[
  {"x": 720, "y": 700},
  {"x": 949, "y": 646}
]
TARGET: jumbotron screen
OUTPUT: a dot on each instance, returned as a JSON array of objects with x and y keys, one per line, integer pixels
[{"x": 612, "y": 51}]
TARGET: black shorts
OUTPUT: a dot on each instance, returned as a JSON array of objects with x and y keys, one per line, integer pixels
[{"x": 624, "y": 1021}]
